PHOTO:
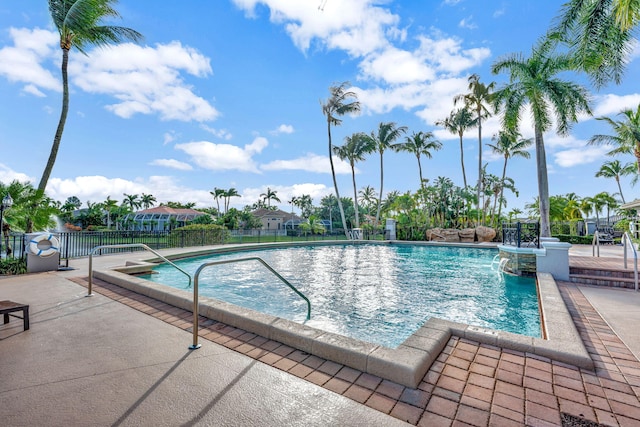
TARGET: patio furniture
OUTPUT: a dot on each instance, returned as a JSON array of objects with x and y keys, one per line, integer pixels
[{"x": 7, "y": 307}]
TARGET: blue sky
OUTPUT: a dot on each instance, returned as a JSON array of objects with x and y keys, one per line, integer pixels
[{"x": 227, "y": 93}]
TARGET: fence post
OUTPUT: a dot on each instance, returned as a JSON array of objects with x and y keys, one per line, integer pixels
[{"x": 518, "y": 231}]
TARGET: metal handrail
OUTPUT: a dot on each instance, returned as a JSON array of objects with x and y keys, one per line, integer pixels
[
  {"x": 126, "y": 245},
  {"x": 626, "y": 240},
  {"x": 195, "y": 344}
]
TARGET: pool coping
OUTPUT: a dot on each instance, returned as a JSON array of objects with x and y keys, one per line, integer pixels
[{"x": 408, "y": 363}]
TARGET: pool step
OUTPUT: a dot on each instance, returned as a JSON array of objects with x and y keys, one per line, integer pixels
[{"x": 602, "y": 277}]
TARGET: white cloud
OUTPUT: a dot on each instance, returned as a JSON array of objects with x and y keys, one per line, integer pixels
[
  {"x": 22, "y": 62},
  {"x": 309, "y": 163},
  {"x": 285, "y": 193},
  {"x": 172, "y": 163},
  {"x": 169, "y": 137},
  {"x": 288, "y": 129},
  {"x": 146, "y": 80},
  {"x": 448, "y": 56},
  {"x": 467, "y": 23},
  {"x": 610, "y": 104},
  {"x": 220, "y": 157},
  {"x": 7, "y": 175},
  {"x": 220, "y": 133},
  {"x": 396, "y": 66},
  {"x": 580, "y": 155}
]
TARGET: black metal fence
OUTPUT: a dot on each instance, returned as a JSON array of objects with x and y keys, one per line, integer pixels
[{"x": 521, "y": 234}]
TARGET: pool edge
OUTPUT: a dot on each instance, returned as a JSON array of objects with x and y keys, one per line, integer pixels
[{"x": 409, "y": 362}]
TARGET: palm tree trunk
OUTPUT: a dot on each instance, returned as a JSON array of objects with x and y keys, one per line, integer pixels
[
  {"x": 63, "y": 119},
  {"x": 381, "y": 183},
  {"x": 543, "y": 184},
  {"x": 480, "y": 164},
  {"x": 504, "y": 175},
  {"x": 620, "y": 189},
  {"x": 335, "y": 183},
  {"x": 464, "y": 174},
  {"x": 355, "y": 194}
]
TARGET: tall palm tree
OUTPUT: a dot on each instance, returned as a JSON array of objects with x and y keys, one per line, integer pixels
[
  {"x": 79, "y": 23},
  {"x": 217, "y": 193},
  {"x": 626, "y": 137},
  {"x": 478, "y": 100},
  {"x": 533, "y": 80},
  {"x": 614, "y": 169},
  {"x": 132, "y": 201},
  {"x": 368, "y": 194},
  {"x": 109, "y": 205},
  {"x": 600, "y": 35},
  {"x": 270, "y": 195},
  {"x": 420, "y": 144},
  {"x": 147, "y": 200},
  {"x": 457, "y": 123},
  {"x": 509, "y": 144},
  {"x": 355, "y": 148},
  {"x": 340, "y": 102},
  {"x": 228, "y": 194},
  {"x": 387, "y": 133}
]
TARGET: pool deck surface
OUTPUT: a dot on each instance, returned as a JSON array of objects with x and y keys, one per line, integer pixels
[{"x": 119, "y": 358}]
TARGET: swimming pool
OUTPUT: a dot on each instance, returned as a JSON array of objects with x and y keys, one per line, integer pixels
[{"x": 375, "y": 293}]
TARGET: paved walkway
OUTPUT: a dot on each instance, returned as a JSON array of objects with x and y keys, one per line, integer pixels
[{"x": 121, "y": 359}]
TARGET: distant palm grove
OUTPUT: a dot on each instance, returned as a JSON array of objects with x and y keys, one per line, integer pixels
[{"x": 592, "y": 37}]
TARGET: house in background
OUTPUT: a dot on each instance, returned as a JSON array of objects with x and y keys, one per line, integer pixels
[
  {"x": 160, "y": 218},
  {"x": 277, "y": 219}
]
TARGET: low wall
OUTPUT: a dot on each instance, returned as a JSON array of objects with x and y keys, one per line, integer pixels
[{"x": 520, "y": 261}]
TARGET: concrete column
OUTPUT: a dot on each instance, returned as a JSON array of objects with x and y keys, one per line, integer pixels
[{"x": 553, "y": 258}]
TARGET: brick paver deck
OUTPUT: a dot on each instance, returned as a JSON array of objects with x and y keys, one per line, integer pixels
[{"x": 470, "y": 384}]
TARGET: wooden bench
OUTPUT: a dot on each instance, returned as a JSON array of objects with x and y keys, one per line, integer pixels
[{"x": 7, "y": 307}]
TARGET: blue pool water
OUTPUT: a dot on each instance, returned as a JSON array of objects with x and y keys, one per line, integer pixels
[{"x": 377, "y": 293}]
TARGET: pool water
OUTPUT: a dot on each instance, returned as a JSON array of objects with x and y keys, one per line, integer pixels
[{"x": 377, "y": 293}]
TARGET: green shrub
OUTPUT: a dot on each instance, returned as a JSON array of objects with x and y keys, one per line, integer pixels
[
  {"x": 575, "y": 240},
  {"x": 11, "y": 266}
]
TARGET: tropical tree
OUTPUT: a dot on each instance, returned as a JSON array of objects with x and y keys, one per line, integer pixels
[
  {"x": 614, "y": 169},
  {"x": 600, "y": 36},
  {"x": 270, "y": 195},
  {"x": 228, "y": 194},
  {"x": 147, "y": 200},
  {"x": 132, "y": 201},
  {"x": 109, "y": 206},
  {"x": 384, "y": 138},
  {"x": 458, "y": 122},
  {"x": 217, "y": 193},
  {"x": 534, "y": 81},
  {"x": 80, "y": 25},
  {"x": 626, "y": 134},
  {"x": 478, "y": 100},
  {"x": 420, "y": 144},
  {"x": 355, "y": 148},
  {"x": 312, "y": 225},
  {"x": 368, "y": 196},
  {"x": 31, "y": 209},
  {"x": 509, "y": 144},
  {"x": 340, "y": 102}
]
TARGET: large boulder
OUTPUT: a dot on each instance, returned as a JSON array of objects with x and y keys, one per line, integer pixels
[
  {"x": 435, "y": 234},
  {"x": 485, "y": 234},
  {"x": 467, "y": 235}
]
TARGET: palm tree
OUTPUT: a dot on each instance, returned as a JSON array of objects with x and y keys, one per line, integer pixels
[
  {"x": 79, "y": 23},
  {"x": 509, "y": 144},
  {"x": 626, "y": 138},
  {"x": 368, "y": 194},
  {"x": 457, "y": 123},
  {"x": 228, "y": 194},
  {"x": 269, "y": 196},
  {"x": 355, "y": 148},
  {"x": 420, "y": 143},
  {"x": 614, "y": 169},
  {"x": 147, "y": 200},
  {"x": 132, "y": 201},
  {"x": 387, "y": 134},
  {"x": 478, "y": 99},
  {"x": 533, "y": 80},
  {"x": 340, "y": 102},
  {"x": 109, "y": 205},
  {"x": 217, "y": 194},
  {"x": 600, "y": 35}
]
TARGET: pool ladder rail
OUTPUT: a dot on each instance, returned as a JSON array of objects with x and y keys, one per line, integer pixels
[{"x": 195, "y": 344}]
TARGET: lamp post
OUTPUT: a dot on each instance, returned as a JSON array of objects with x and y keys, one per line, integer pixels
[{"x": 7, "y": 202}]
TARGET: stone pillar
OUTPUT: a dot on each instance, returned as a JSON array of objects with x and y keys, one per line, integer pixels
[
  {"x": 390, "y": 229},
  {"x": 553, "y": 258}
]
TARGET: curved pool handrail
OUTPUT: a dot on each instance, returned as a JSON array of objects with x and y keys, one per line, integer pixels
[
  {"x": 229, "y": 261},
  {"x": 126, "y": 245}
]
